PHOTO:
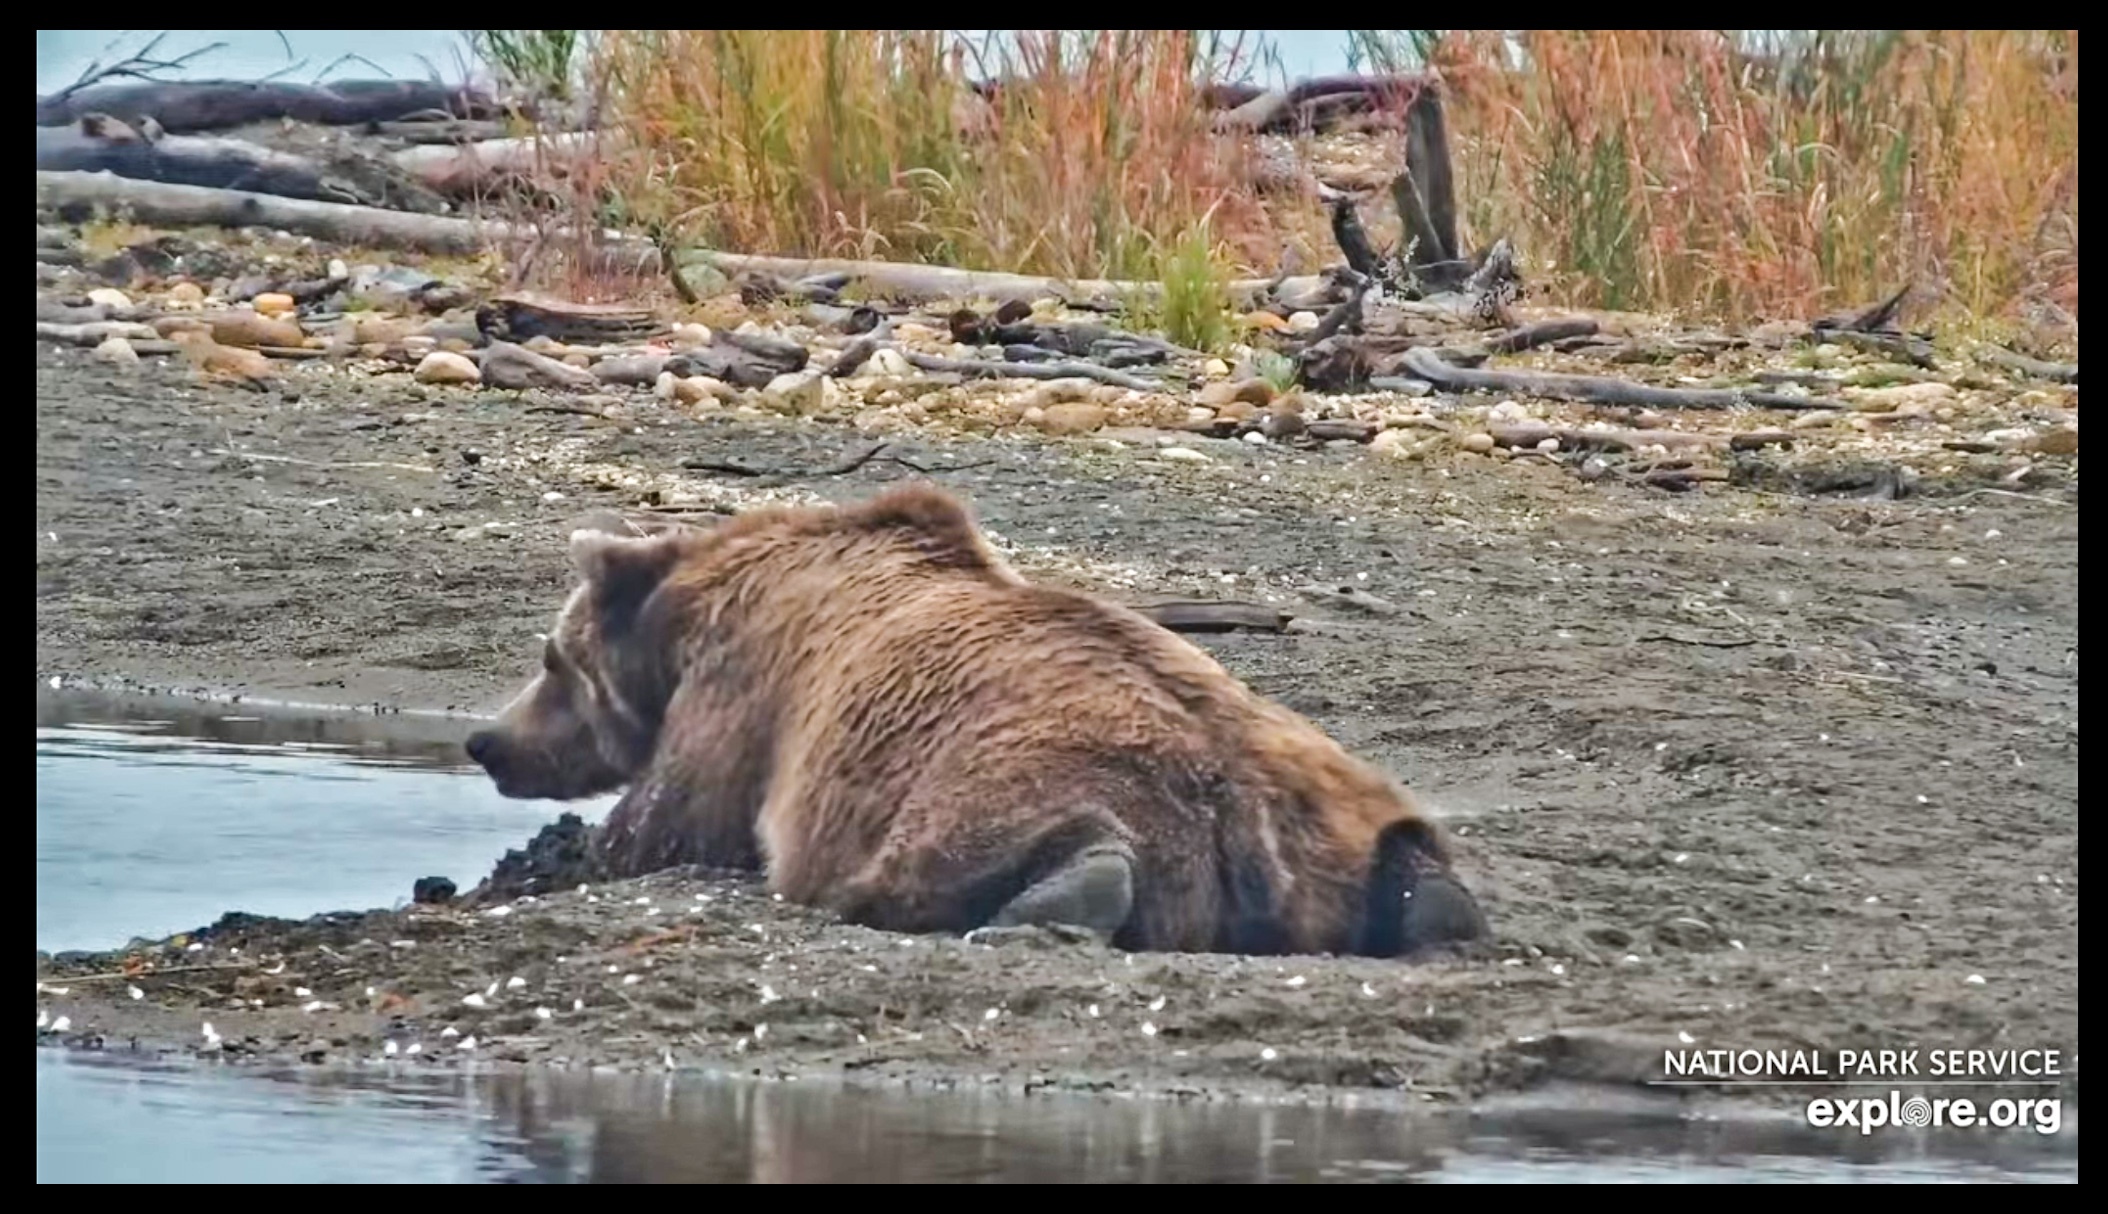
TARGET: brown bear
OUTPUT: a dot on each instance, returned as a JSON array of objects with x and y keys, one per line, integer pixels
[{"x": 869, "y": 705}]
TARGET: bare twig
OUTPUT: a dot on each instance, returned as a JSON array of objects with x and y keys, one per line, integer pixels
[
  {"x": 782, "y": 475},
  {"x": 324, "y": 464}
]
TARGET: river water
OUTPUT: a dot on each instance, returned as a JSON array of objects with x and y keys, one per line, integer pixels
[{"x": 155, "y": 819}]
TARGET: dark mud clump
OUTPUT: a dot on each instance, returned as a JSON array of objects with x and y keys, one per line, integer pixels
[{"x": 560, "y": 856}]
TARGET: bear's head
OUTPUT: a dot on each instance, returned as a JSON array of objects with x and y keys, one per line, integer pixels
[{"x": 589, "y": 721}]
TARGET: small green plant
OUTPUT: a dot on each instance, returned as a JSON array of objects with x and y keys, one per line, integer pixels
[
  {"x": 1195, "y": 306},
  {"x": 1278, "y": 370},
  {"x": 541, "y": 63}
]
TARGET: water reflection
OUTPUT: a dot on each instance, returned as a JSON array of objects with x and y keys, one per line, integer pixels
[
  {"x": 156, "y": 818},
  {"x": 183, "y": 1123},
  {"x": 170, "y": 723}
]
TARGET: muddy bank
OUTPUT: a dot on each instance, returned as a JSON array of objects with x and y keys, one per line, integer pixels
[{"x": 1759, "y": 770}]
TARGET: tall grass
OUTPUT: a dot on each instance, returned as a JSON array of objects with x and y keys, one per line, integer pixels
[
  {"x": 538, "y": 63},
  {"x": 1092, "y": 156},
  {"x": 1739, "y": 174},
  {"x": 1728, "y": 173}
]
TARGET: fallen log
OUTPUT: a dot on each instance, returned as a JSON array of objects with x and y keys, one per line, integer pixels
[
  {"x": 164, "y": 204},
  {"x": 1208, "y": 615},
  {"x": 522, "y": 317},
  {"x": 218, "y": 105},
  {"x": 1315, "y": 105},
  {"x": 93, "y": 332},
  {"x": 740, "y": 360},
  {"x": 1913, "y": 350},
  {"x": 216, "y": 162},
  {"x": 1998, "y": 356},
  {"x": 1522, "y": 337},
  {"x": 1427, "y": 364},
  {"x": 990, "y": 369},
  {"x": 947, "y": 282},
  {"x": 468, "y": 169},
  {"x": 1525, "y": 435}
]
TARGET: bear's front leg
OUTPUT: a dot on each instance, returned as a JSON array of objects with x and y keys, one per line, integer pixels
[{"x": 664, "y": 821}]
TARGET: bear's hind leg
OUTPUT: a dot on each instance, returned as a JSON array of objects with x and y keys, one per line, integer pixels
[
  {"x": 1093, "y": 892},
  {"x": 1413, "y": 902}
]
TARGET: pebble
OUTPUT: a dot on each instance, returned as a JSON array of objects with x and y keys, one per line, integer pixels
[
  {"x": 1302, "y": 322},
  {"x": 1508, "y": 411},
  {"x": 888, "y": 362},
  {"x": 1480, "y": 443},
  {"x": 447, "y": 367},
  {"x": 117, "y": 350},
  {"x": 1184, "y": 455},
  {"x": 1215, "y": 368},
  {"x": 188, "y": 294},
  {"x": 273, "y": 303},
  {"x": 1073, "y": 417},
  {"x": 109, "y": 297},
  {"x": 1548, "y": 444},
  {"x": 690, "y": 336}
]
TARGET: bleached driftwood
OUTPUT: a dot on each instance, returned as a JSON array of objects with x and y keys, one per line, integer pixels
[{"x": 168, "y": 205}]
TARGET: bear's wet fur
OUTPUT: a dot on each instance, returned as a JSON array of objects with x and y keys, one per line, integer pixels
[{"x": 869, "y": 706}]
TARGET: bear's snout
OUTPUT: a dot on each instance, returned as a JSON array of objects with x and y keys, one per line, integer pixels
[{"x": 481, "y": 746}]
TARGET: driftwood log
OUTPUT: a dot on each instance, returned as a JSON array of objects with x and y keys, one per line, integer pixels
[
  {"x": 179, "y": 206},
  {"x": 1526, "y": 435},
  {"x": 523, "y": 317},
  {"x": 218, "y": 105},
  {"x": 1214, "y": 615},
  {"x": 102, "y": 144},
  {"x": 991, "y": 369},
  {"x": 465, "y": 170},
  {"x": 1997, "y": 356},
  {"x": 946, "y": 282},
  {"x": 1313, "y": 105},
  {"x": 1429, "y": 365}
]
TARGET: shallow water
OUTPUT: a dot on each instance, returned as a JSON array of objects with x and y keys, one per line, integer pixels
[
  {"x": 151, "y": 826},
  {"x": 104, "y": 1120},
  {"x": 157, "y": 820}
]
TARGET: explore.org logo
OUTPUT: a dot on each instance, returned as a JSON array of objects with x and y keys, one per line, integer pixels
[
  {"x": 2033, "y": 1072},
  {"x": 2043, "y": 1114}
]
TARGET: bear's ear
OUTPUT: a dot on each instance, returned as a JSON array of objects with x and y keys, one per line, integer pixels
[
  {"x": 622, "y": 570},
  {"x": 942, "y": 527},
  {"x": 630, "y": 525}
]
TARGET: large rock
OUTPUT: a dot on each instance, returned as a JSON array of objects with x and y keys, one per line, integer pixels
[
  {"x": 447, "y": 367},
  {"x": 250, "y": 329}
]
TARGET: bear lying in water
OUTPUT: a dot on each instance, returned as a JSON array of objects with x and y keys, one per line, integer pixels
[{"x": 871, "y": 707}]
